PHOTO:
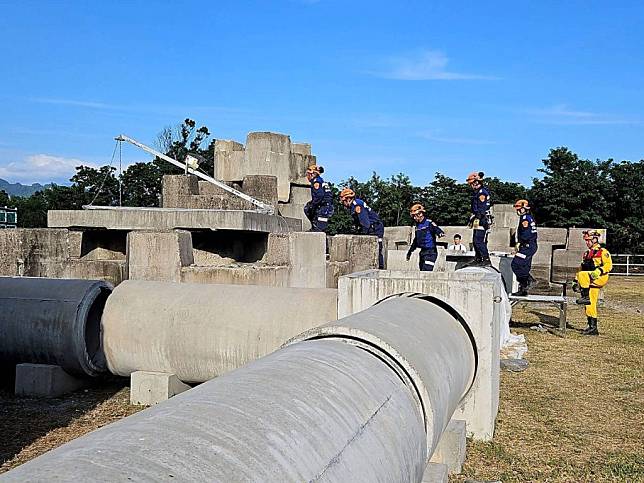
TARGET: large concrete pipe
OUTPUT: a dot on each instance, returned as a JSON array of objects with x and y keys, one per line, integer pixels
[
  {"x": 199, "y": 331},
  {"x": 352, "y": 405},
  {"x": 52, "y": 321}
]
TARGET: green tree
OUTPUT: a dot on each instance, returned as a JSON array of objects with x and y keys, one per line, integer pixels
[
  {"x": 573, "y": 191},
  {"x": 503, "y": 192},
  {"x": 94, "y": 186},
  {"x": 447, "y": 201},
  {"x": 4, "y": 199},
  {"x": 625, "y": 196},
  {"x": 141, "y": 185}
]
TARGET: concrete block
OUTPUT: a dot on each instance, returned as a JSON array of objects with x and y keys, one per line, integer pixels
[
  {"x": 498, "y": 239},
  {"x": 228, "y": 158},
  {"x": 474, "y": 294},
  {"x": 505, "y": 216},
  {"x": 464, "y": 231},
  {"x": 45, "y": 380},
  {"x": 113, "y": 218},
  {"x": 435, "y": 473},
  {"x": 397, "y": 260},
  {"x": 452, "y": 446},
  {"x": 295, "y": 211},
  {"x": 261, "y": 187},
  {"x": 397, "y": 237},
  {"x": 237, "y": 275},
  {"x": 155, "y": 255},
  {"x": 359, "y": 250},
  {"x": 298, "y": 165},
  {"x": 149, "y": 388},
  {"x": 175, "y": 186},
  {"x": 304, "y": 255},
  {"x": 269, "y": 153},
  {"x": 301, "y": 148},
  {"x": 300, "y": 195}
]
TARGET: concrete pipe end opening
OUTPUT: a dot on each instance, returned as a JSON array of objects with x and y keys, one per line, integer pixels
[{"x": 88, "y": 341}]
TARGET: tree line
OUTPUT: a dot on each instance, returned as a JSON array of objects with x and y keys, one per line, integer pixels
[{"x": 571, "y": 192}]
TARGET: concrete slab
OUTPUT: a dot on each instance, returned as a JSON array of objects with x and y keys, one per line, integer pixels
[
  {"x": 45, "y": 380},
  {"x": 435, "y": 473},
  {"x": 474, "y": 294},
  {"x": 451, "y": 449},
  {"x": 149, "y": 388},
  {"x": 114, "y": 218}
]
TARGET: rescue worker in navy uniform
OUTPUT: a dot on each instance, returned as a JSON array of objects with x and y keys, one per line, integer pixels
[
  {"x": 366, "y": 219},
  {"x": 480, "y": 220},
  {"x": 526, "y": 245},
  {"x": 320, "y": 208},
  {"x": 425, "y": 235}
]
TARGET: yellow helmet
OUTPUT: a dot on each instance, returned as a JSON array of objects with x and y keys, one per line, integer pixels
[
  {"x": 416, "y": 208},
  {"x": 472, "y": 177},
  {"x": 590, "y": 234},
  {"x": 347, "y": 193},
  {"x": 522, "y": 204}
]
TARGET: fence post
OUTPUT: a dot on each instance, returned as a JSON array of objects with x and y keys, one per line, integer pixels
[{"x": 627, "y": 258}]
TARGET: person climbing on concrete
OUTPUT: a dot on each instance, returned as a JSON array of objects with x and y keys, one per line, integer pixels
[
  {"x": 481, "y": 219},
  {"x": 593, "y": 275},
  {"x": 425, "y": 235},
  {"x": 320, "y": 208},
  {"x": 366, "y": 219},
  {"x": 526, "y": 246}
]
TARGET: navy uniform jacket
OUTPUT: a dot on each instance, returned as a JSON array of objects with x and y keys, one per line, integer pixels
[
  {"x": 426, "y": 233},
  {"x": 320, "y": 193},
  {"x": 367, "y": 219},
  {"x": 481, "y": 203},
  {"x": 527, "y": 230}
]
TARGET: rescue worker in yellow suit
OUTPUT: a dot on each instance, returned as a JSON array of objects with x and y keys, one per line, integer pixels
[{"x": 593, "y": 275}]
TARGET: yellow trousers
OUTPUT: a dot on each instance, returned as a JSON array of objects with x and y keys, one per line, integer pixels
[{"x": 584, "y": 280}]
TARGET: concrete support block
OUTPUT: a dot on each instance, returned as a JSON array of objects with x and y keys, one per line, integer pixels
[
  {"x": 149, "y": 388},
  {"x": 473, "y": 294},
  {"x": 176, "y": 186},
  {"x": 307, "y": 260},
  {"x": 45, "y": 380},
  {"x": 505, "y": 216},
  {"x": 359, "y": 250},
  {"x": 435, "y": 473},
  {"x": 498, "y": 239},
  {"x": 301, "y": 148},
  {"x": 261, "y": 187},
  {"x": 269, "y": 153},
  {"x": 228, "y": 158},
  {"x": 398, "y": 237},
  {"x": 295, "y": 211},
  {"x": 452, "y": 446},
  {"x": 158, "y": 255}
]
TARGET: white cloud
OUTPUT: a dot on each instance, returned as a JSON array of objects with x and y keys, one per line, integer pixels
[
  {"x": 75, "y": 103},
  {"x": 563, "y": 115},
  {"x": 433, "y": 136},
  {"x": 425, "y": 65},
  {"x": 41, "y": 168}
]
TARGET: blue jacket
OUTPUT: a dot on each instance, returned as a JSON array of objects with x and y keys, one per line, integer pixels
[
  {"x": 425, "y": 236},
  {"x": 367, "y": 219},
  {"x": 527, "y": 230},
  {"x": 481, "y": 203},
  {"x": 321, "y": 194}
]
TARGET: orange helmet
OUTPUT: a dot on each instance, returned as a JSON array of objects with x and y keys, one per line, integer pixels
[
  {"x": 472, "y": 177},
  {"x": 590, "y": 234},
  {"x": 313, "y": 169},
  {"x": 416, "y": 208},
  {"x": 522, "y": 204},
  {"x": 347, "y": 193}
]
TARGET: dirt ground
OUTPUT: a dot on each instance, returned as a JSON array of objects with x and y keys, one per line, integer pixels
[{"x": 576, "y": 414}]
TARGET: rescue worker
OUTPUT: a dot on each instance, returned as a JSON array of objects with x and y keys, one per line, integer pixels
[
  {"x": 320, "y": 208},
  {"x": 424, "y": 238},
  {"x": 366, "y": 219},
  {"x": 526, "y": 246},
  {"x": 593, "y": 275},
  {"x": 481, "y": 219}
]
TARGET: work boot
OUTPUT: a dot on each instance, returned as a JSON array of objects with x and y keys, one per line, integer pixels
[
  {"x": 485, "y": 262},
  {"x": 592, "y": 327},
  {"x": 522, "y": 292},
  {"x": 531, "y": 282},
  {"x": 585, "y": 297}
]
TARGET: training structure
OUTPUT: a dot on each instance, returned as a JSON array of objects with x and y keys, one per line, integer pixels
[{"x": 379, "y": 398}]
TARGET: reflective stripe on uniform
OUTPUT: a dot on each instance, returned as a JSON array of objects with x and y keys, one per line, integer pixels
[
  {"x": 429, "y": 262},
  {"x": 379, "y": 239},
  {"x": 322, "y": 219},
  {"x": 520, "y": 255}
]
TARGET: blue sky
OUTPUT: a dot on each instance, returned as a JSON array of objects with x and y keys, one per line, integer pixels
[{"x": 413, "y": 87}]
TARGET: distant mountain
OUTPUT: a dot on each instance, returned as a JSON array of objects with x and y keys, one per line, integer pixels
[{"x": 17, "y": 189}]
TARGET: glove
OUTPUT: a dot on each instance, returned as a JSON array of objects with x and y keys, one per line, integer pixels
[
  {"x": 595, "y": 274},
  {"x": 471, "y": 221},
  {"x": 575, "y": 287},
  {"x": 476, "y": 223},
  {"x": 408, "y": 257},
  {"x": 441, "y": 235}
]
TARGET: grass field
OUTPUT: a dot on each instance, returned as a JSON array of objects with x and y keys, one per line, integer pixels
[{"x": 576, "y": 414}]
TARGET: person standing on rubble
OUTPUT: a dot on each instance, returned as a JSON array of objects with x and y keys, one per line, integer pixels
[
  {"x": 592, "y": 276},
  {"x": 425, "y": 235},
  {"x": 526, "y": 247},
  {"x": 481, "y": 219},
  {"x": 320, "y": 208},
  {"x": 366, "y": 219}
]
